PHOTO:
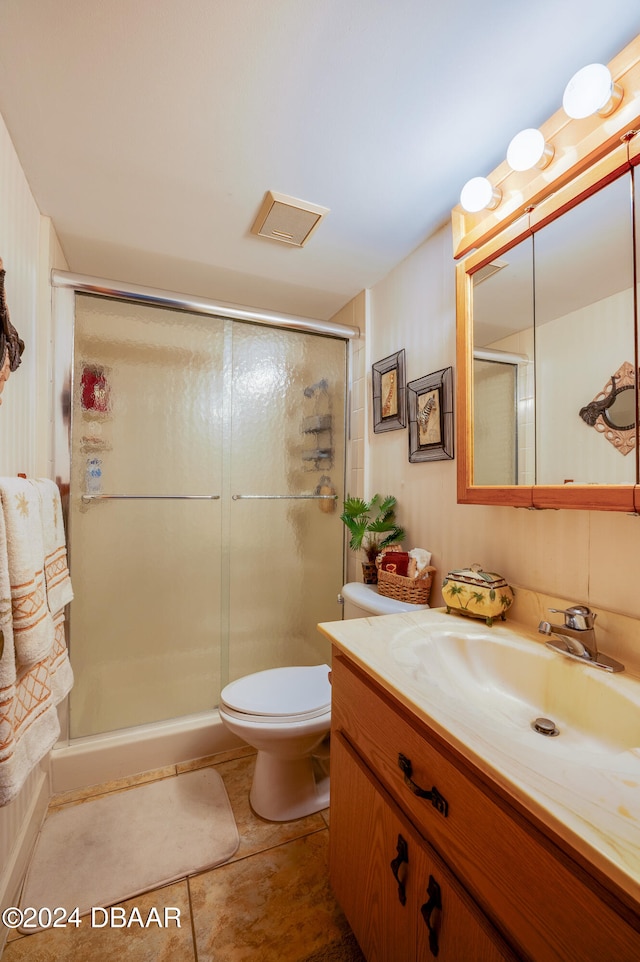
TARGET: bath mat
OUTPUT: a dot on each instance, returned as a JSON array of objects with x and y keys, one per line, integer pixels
[{"x": 116, "y": 846}]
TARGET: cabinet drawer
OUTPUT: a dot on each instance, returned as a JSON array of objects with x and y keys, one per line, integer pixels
[{"x": 526, "y": 885}]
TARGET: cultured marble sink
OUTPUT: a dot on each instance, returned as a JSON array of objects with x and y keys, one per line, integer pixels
[
  {"x": 505, "y": 680},
  {"x": 479, "y": 689}
]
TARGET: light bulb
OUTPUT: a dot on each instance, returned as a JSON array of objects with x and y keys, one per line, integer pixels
[
  {"x": 591, "y": 91},
  {"x": 529, "y": 149},
  {"x": 479, "y": 194}
]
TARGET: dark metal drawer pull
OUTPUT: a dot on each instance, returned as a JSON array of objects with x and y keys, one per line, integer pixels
[
  {"x": 433, "y": 905},
  {"x": 438, "y": 801},
  {"x": 401, "y": 857}
]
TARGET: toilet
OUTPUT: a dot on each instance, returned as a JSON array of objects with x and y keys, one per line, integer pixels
[
  {"x": 363, "y": 601},
  {"x": 285, "y": 713}
]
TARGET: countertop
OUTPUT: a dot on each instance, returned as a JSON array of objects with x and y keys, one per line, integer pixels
[{"x": 591, "y": 800}]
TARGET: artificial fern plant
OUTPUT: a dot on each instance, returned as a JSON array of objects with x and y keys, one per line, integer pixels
[{"x": 372, "y": 524}]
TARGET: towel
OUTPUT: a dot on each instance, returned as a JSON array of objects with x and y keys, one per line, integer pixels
[
  {"x": 56, "y": 571},
  {"x": 395, "y": 562},
  {"x": 29, "y": 725},
  {"x": 419, "y": 562},
  {"x": 33, "y": 631}
]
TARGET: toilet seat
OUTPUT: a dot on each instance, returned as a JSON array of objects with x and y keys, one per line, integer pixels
[{"x": 279, "y": 695}]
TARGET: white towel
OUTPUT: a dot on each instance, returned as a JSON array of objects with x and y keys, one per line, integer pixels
[
  {"x": 419, "y": 561},
  {"x": 33, "y": 631},
  {"x": 29, "y": 723},
  {"x": 56, "y": 572}
]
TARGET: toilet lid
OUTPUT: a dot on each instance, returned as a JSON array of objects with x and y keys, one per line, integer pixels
[{"x": 281, "y": 691}]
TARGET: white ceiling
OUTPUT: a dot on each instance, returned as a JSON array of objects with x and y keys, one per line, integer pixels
[{"x": 149, "y": 130}]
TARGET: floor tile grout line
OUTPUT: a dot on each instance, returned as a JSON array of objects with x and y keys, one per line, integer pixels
[{"x": 193, "y": 922}]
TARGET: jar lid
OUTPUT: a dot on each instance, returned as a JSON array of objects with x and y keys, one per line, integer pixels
[{"x": 474, "y": 575}]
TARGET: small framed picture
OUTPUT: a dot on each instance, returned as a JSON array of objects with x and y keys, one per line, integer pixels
[
  {"x": 431, "y": 416},
  {"x": 389, "y": 401}
]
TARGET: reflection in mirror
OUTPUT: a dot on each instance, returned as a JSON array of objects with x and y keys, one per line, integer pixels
[
  {"x": 503, "y": 376},
  {"x": 495, "y": 423},
  {"x": 621, "y": 413},
  {"x": 584, "y": 331}
]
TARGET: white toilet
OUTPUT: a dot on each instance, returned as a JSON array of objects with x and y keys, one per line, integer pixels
[
  {"x": 285, "y": 713},
  {"x": 363, "y": 601}
]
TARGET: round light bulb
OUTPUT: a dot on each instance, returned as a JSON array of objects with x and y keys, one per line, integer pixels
[
  {"x": 591, "y": 91},
  {"x": 529, "y": 149},
  {"x": 479, "y": 194}
]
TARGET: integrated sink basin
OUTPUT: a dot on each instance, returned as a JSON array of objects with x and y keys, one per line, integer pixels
[
  {"x": 479, "y": 689},
  {"x": 507, "y": 680}
]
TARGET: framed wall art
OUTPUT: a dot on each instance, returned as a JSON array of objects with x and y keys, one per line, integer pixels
[
  {"x": 431, "y": 416},
  {"x": 389, "y": 393}
]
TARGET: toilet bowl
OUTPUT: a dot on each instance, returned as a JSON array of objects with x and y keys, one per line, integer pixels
[{"x": 285, "y": 713}]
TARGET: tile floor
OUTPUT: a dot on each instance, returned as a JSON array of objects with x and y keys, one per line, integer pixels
[{"x": 270, "y": 903}]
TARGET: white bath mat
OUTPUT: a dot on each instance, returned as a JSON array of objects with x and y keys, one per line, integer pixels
[{"x": 113, "y": 847}]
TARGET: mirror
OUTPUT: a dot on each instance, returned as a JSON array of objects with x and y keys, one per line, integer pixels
[
  {"x": 552, "y": 317},
  {"x": 622, "y": 413},
  {"x": 549, "y": 317},
  {"x": 503, "y": 369}
]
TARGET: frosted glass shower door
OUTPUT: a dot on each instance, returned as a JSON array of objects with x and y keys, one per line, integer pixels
[
  {"x": 147, "y": 428},
  {"x": 287, "y": 445}
]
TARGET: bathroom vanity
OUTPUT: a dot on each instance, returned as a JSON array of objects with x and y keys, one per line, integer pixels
[{"x": 459, "y": 832}]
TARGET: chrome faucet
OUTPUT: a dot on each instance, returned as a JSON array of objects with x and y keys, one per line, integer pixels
[{"x": 577, "y": 637}]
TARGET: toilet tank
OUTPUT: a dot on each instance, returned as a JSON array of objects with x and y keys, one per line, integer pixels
[{"x": 363, "y": 601}]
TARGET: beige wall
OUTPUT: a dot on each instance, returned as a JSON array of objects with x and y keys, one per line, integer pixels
[
  {"x": 29, "y": 248},
  {"x": 583, "y": 556}
]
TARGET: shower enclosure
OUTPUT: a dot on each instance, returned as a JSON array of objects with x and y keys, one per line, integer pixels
[{"x": 207, "y": 471}]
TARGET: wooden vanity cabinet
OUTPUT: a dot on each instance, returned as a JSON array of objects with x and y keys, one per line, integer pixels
[
  {"x": 399, "y": 897},
  {"x": 509, "y": 888}
]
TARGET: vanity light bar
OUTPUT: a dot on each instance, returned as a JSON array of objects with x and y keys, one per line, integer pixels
[{"x": 591, "y": 90}]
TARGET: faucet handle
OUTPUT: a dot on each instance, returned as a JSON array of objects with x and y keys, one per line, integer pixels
[{"x": 578, "y": 617}]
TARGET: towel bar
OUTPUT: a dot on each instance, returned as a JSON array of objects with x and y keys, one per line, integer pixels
[
  {"x": 284, "y": 497},
  {"x": 150, "y": 497}
]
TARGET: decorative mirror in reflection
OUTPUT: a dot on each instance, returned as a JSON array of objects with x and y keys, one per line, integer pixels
[{"x": 613, "y": 410}]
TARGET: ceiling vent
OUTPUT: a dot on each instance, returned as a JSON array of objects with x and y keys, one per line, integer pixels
[
  {"x": 287, "y": 219},
  {"x": 488, "y": 271}
]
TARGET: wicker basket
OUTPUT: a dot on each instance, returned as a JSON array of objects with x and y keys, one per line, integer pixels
[{"x": 415, "y": 591}]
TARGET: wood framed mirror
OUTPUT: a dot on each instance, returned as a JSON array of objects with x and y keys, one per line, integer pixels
[{"x": 547, "y": 312}]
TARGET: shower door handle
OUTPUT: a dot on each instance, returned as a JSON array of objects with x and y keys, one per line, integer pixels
[
  {"x": 149, "y": 497},
  {"x": 284, "y": 497}
]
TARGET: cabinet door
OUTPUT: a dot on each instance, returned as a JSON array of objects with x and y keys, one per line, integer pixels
[
  {"x": 401, "y": 900},
  {"x": 364, "y": 841},
  {"x": 449, "y": 928}
]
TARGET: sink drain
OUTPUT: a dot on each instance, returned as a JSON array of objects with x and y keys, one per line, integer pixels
[{"x": 544, "y": 726}]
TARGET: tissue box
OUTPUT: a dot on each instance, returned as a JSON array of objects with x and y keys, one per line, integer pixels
[{"x": 480, "y": 594}]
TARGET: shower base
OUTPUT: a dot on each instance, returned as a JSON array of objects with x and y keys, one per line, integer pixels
[{"x": 81, "y": 762}]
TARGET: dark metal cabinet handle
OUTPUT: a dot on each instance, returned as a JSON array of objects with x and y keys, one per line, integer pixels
[
  {"x": 438, "y": 801},
  {"x": 434, "y": 904},
  {"x": 402, "y": 857}
]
